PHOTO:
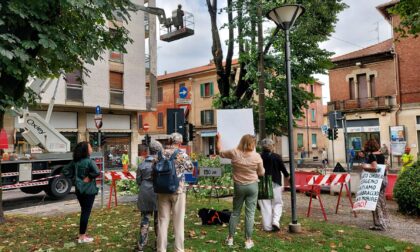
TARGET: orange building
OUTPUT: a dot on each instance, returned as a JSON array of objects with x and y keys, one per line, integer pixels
[{"x": 201, "y": 84}]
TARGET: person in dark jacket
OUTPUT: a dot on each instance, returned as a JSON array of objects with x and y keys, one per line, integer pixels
[
  {"x": 373, "y": 158},
  {"x": 271, "y": 209},
  {"x": 87, "y": 171},
  {"x": 147, "y": 199}
]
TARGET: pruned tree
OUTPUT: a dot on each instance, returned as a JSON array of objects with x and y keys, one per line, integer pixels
[
  {"x": 41, "y": 38},
  {"x": 238, "y": 83}
]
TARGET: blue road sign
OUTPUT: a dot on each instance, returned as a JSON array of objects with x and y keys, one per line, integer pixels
[
  {"x": 183, "y": 92},
  {"x": 98, "y": 110}
]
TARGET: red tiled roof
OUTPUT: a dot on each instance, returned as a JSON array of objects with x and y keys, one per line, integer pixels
[
  {"x": 382, "y": 47},
  {"x": 190, "y": 71}
]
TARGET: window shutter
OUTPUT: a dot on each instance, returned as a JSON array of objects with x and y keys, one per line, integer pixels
[
  {"x": 202, "y": 116},
  {"x": 202, "y": 90},
  {"x": 211, "y": 115},
  {"x": 116, "y": 80},
  {"x": 211, "y": 89}
]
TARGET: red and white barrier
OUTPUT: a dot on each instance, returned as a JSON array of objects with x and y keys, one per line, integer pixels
[
  {"x": 117, "y": 175},
  {"x": 329, "y": 179}
]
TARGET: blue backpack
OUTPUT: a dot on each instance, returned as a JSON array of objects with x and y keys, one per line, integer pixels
[{"x": 165, "y": 179}]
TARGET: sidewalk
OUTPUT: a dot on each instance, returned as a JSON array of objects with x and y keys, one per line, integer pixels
[{"x": 404, "y": 228}]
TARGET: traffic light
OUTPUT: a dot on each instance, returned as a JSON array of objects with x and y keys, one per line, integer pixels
[
  {"x": 335, "y": 133},
  {"x": 103, "y": 139},
  {"x": 147, "y": 139},
  {"x": 330, "y": 134},
  {"x": 191, "y": 131},
  {"x": 94, "y": 140}
]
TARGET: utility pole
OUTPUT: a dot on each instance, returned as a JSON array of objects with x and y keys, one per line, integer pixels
[{"x": 261, "y": 84}]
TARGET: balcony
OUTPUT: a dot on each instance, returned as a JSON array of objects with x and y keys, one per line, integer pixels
[
  {"x": 146, "y": 25},
  {"x": 363, "y": 104},
  {"x": 117, "y": 96},
  {"x": 116, "y": 57}
]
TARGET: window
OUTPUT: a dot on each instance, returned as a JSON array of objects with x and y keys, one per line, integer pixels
[
  {"x": 160, "y": 120},
  {"x": 418, "y": 119},
  {"x": 206, "y": 89},
  {"x": 116, "y": 57},
  {"x": 116, "y": 88},
  {"x": 207, "y": 117},
  {"x": 372, "y": 86},
  {"x": 352, "y": 89},
  {"x": 313, "y": 115},
  {"x": 160, "y": 94},
  {"x": 140, "y": 121},
  {"x": 299, "y": 140},
  {"x": 312, "y": 88},
  {"x": 314, "y": 141},
  {"x": 74, "y": 87}
]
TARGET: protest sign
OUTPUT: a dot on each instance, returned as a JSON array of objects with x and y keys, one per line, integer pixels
[
  {"x": 232, "y": 124},
  {"x": 368, "y": 193}
]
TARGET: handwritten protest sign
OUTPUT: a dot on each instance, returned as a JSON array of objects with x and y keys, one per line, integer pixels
[{"x": 368, "y": 193}]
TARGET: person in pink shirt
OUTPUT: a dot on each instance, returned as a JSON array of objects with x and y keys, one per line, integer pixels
[{"x": 247, "y": 165}]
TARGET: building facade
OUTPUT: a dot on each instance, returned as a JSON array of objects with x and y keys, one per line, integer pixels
[
  {"x": 378, "y": 90},
  {"x": 309, "y": 139},
  {"x": 201, "y": 86},
  {"x": 116, "y": 84}
]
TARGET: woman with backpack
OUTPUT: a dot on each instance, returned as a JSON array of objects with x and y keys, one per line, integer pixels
[
  {"x": 247, "y": 165},
  {"x": 147, "y": 199},
  {"x": 83, "y": 171},
  {"x": 373, "y": 158},
  {"x": 173, "y": 204}
]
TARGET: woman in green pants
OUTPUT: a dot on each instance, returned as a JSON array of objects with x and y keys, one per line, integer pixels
[{"x": 247, "y": 165}]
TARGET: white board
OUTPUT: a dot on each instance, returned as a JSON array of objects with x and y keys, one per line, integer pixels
[
  {"x": 232, "y": 124},
  {"x": 368, "y": 193}
]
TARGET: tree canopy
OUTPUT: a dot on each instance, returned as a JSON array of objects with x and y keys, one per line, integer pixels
[
  {"x": 307, "y": 58},
  {"x": 41, "y": 38},
  {"x": 409, "y": 12}
]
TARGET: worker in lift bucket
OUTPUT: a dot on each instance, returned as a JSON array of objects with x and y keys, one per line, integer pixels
[{"x": 125, "y": 161}]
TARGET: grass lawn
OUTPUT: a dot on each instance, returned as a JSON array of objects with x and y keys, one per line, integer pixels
[{"x": 117, "y": 230}]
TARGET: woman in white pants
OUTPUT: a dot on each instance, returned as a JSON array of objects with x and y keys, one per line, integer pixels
[{"x": 271, "y": 209}]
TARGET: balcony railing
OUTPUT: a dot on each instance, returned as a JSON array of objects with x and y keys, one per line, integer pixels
[
  {"x": 146, "y": 25},
  {"x": 371, "y": 103},
  {"x": 117, "y": 96},
  {"x": 74, "y": 92},
  {"x": 147, "y": 63}
]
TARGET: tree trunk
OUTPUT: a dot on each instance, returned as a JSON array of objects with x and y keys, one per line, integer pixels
[
  {"x": 2, "y": 219},
  {"x": 261, "y": 85}
]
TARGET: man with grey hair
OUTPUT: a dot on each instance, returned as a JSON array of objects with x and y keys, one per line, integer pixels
[
  {"x": 173, "y": 204},
  {"x": 271, "y": 209},
  {"x": 147, "y": 199}
]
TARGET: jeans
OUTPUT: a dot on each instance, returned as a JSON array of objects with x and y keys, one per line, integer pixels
[
  {"x": 249, "y": 195},
  {"x": 86, "y": 203}
]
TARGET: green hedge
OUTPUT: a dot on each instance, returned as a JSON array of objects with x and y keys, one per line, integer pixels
[{"x": 407, "y": 190}]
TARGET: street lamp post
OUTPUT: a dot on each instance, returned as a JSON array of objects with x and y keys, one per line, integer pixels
[{"x": 285, "y": 17}]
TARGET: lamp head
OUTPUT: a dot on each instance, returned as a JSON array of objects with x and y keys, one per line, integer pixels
[{"x": 286, "y": 15}]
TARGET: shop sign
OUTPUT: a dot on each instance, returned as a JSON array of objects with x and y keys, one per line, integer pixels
[
  {"x": 183, "y": 101},
  {"x": 363, "y": 129}
]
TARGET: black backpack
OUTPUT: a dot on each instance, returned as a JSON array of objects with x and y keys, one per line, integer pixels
[
  {"x": 214, "y": 217},
  {"x": 165, "y": 179}
]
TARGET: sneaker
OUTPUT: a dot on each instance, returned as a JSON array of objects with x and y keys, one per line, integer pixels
[
  {"x": 229, "y": 241},
  {"x": 275, "y": 228},
  {"x": 249, "y": 244},
  {"x": 85, "y": 240}
]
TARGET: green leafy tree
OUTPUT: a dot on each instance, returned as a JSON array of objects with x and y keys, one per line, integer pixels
[
  {"x": 409, "y": 12},
  {"x": 41, "y": 38},
  {"x": 238, "y": 90}
]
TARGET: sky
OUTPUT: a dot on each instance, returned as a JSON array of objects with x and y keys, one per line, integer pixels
[{"x": 359, "y": 26}]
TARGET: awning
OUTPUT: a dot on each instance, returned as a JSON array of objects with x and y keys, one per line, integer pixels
[{"x": 208, "y": 133}]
